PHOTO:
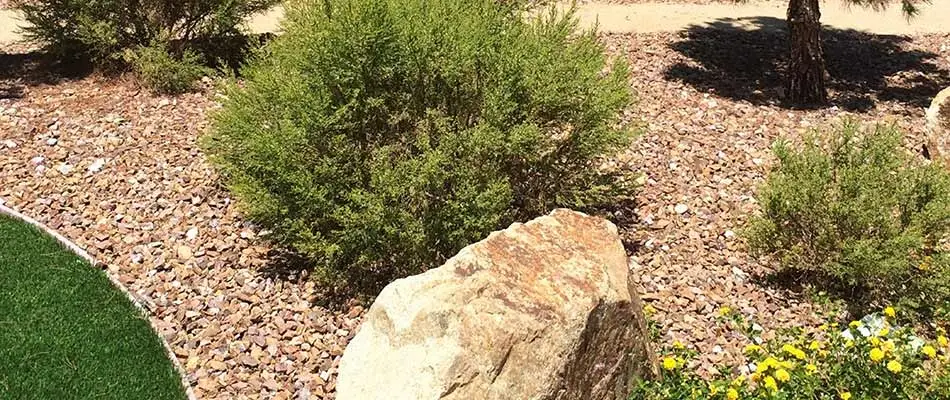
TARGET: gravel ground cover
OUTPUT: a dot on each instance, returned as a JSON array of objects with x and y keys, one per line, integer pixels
[
  {"x": 118, "y": 171},
  {"x": 710, "y": 103}
]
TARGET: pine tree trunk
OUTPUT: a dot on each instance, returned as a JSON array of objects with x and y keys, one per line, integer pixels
[{"x": 806, "y": 69}]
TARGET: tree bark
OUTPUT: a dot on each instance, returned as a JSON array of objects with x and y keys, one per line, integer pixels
[{"x": 806, "y": 69}]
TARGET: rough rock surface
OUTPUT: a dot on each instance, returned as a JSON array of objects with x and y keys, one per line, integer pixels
[
  {"x": 543, "y": 310},
  {"x": 938, "y": 126}
]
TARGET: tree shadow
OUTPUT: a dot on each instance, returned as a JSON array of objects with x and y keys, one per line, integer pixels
[
  {"x": 19, "y": 71},
  {"x": 745, "y": 59}
]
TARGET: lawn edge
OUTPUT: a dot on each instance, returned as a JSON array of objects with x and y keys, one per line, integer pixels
[{"x": 73, "y": 247}]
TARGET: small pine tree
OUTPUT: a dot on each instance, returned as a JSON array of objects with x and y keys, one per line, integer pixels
[{"x": 806, "y": 71}]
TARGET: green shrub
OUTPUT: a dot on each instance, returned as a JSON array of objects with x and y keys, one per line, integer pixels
[
  {"x": 855, "y": 206},
  {"x": 869, "y": 359},
  {"x": 379, "y": 137},
  {"x": 105, "y": 31},
  {"x": 162, "y": 72}
]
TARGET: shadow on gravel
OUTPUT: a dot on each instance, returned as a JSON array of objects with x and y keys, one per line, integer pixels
[
  {"x": 811, "y": 284},
  {"x": 21, "y": 70},
  {"x": 286, "y": 265},
  {"x": 745, "y": 59}
]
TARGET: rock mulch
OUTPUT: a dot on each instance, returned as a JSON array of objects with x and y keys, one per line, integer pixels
[
  {"x": 703, "y": 155},
  {"x": 119, "y": 172}
]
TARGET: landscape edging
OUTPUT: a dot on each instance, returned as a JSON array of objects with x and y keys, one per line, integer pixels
[{"x": 73, "y": 247}]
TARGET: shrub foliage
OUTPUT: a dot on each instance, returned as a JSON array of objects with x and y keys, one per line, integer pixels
[
  {"x": 113, "y": 32},
  {"x": 379, "y": 137},
  {"x": 855, "y": 206},
  {"x": 165, "y": 73}
]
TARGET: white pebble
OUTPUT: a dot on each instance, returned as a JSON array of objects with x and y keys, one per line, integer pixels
[
  {"x": 64, "y": 168},
  {"x": 97, "y": 165}
]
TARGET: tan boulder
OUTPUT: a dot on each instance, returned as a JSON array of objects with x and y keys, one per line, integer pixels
[
  {"x": 542, "y": 310},
  {"x": 938, "y": 127}
]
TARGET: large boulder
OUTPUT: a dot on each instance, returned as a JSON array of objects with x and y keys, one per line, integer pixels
[
  {"x": 938, "y": 127},
  {"x": 542, "y": 310}
]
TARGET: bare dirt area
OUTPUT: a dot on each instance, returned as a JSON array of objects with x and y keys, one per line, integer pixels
[
  {"x": 711, "y": 102},
  {"x": 119, "y": 171}
]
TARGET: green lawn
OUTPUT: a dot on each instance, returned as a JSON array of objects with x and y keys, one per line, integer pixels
[{"x": 67, "y": 333}]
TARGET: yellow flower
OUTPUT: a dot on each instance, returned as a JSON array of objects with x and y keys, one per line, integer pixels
[
  {"x": 770, "y": 383},
  {"x": 876, "y": 354},
  {"x": 732, "y": 394},
  {"x": 823, "y": 327},
  {"x": 894, "y": 366},
  {"x": 810, "y": 369},
  {"x": 767, "y": 363},
  {"x": 751, "y": 348},
  {"x": 713, "y": 389},
  {"x": 887, "y": 345},
  {"x": 925, "y": 263},
  {"x": 874, "y": 341},
  {"x": 782, "y": 375},
  {"x": 814, "y": 345},
  {"x": 942, "y": 340},
  {"x": 794, "y": 351},
  {"x": 889, "y": 311},
  {"x": 738, "y": 381},
  {"x": 724, "y": 311},
  {"x": 649, "y": 310},
  {"x": 678, "y": 345},
  {"x": 855, "y": 324},
  {"x": 929, "y": 351},
  {"x": 849, "y": 344},
  {"x": 669, "y": 363},
  {"x": 883, "y": 332},
  {"x": 845, "y": 395}
]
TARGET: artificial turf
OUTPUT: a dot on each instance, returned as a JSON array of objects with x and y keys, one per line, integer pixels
[{"x": 67, "y": 333}]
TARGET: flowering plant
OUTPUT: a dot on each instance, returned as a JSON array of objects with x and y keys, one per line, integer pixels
[{"x": 873, "y": 358}]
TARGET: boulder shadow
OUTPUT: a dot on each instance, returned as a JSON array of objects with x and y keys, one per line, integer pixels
[{"x": 746, "y": 59}]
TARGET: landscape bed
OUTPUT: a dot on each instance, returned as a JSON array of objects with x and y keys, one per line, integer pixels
[
  {"x": 243, "y": 325},
  {"x": 67, "y": 332}
]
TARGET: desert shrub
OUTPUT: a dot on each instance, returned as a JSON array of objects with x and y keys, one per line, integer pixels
[
  {"x": 854, "y": 206},
  {"x": 164, "y": 73},
  {"x": 379, "y": 137},
  {"x": 873, "y": 358},
  {"x": 105, "y": 31}
]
